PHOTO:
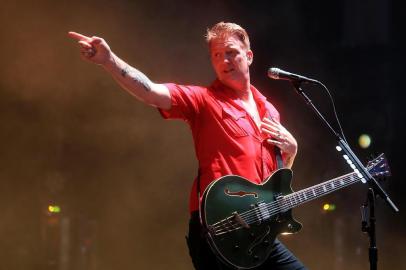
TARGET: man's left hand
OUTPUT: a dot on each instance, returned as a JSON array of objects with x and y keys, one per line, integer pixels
[{"x": 280, "y": 137}]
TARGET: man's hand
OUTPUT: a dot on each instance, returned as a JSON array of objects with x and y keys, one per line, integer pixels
[
  {"x": 96, "y": 50},
  {"x": 93, "y": 49},
  {"x": 281, "y": 138}
]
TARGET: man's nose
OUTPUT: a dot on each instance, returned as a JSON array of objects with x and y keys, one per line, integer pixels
[{"x": 226, "y": 59}]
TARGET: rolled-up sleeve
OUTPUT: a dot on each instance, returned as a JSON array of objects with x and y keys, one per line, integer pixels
[{"x": 186, "y": 102}]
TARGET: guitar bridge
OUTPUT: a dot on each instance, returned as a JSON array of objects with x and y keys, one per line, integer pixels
[
  {"x": 240, "y": 221},
  {"x": 231, "y": 223}
]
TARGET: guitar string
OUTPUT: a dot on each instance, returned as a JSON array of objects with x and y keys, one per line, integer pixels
[
  {"x": 297, "y": 200},
  {"x": 227, "y": 227},
  {"x": 250, "y": 217},
  {"x": 317, "y": 188},
  {"x": 253, "y": 217}
]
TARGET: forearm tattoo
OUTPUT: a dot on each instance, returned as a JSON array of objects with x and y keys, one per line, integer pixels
[
  {"x": 124, "y": 71},
  {"x": 137, "y": 76}
]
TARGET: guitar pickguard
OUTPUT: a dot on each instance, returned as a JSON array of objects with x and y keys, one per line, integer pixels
[{"x": 259, "y": 240}]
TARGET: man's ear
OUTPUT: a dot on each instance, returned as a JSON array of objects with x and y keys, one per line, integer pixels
[{"x": 250, "y": 57}]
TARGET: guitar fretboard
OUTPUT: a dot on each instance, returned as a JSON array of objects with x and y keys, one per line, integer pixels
[{"x": 296, "y": 198}]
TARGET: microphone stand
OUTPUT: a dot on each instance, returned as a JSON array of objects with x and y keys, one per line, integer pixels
[
  {"x": 368, "y": 209},
  {"x": 360, "y": 169}
]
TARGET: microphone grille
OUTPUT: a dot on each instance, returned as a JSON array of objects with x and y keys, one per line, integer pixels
[{"x": 273, "y": 73}]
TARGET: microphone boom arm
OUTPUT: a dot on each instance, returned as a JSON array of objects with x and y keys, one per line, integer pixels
[{"x": 347, "y": 150}]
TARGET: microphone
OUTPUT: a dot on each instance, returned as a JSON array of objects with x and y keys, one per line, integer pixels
[{"x": 279, "y": 74}]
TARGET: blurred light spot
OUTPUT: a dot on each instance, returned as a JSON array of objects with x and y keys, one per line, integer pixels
[
  {"x": 54, "y": 209},
  {"x": 364, "y": 141},
  {"x": 329, "y": 207}
]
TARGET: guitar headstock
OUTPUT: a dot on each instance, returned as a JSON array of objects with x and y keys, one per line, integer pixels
[{"x": 379, "y": 166}]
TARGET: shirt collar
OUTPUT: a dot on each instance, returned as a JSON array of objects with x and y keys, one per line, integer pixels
[{"x": 229, "y": 94}]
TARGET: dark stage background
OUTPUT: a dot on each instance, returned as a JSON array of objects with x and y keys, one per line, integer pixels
[{"x": 70, "y": 137}]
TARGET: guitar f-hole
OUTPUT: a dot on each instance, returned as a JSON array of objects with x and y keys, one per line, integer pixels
[{"x": 240, "y": 193}]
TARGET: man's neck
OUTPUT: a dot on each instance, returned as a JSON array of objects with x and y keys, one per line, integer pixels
[
  {"x": 243, "y": 90},
  {"x": 245, "y": 93}
]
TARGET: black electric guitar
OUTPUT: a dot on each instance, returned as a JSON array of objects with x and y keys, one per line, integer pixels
[{"x": 243, "y": 219}]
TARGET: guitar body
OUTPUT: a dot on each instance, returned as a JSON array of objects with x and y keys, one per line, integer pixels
[
  {"x": 242, "y": 219},
  {"x": 230, "y": 203}
]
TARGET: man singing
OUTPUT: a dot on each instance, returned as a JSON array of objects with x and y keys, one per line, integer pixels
[{"x": 235, "y": 129}]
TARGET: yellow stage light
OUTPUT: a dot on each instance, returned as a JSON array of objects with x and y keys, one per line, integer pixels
[
  {"x": 54, "y": 209},
  {"x": 364, "y": 141},
  {"x": 329, "y": 207}
]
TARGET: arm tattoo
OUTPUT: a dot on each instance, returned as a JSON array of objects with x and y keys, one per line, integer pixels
[
  {"x": 124, "y": 71},
  {"x": 137, "y": 76}
]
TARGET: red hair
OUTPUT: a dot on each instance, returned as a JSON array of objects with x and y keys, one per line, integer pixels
[{"x": 224, "y": 30}]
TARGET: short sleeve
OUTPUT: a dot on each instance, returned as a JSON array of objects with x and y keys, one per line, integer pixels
[{"x": 186, "y": 102}]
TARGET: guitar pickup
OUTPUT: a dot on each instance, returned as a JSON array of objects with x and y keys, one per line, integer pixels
[{"x": 262, "y": 211}]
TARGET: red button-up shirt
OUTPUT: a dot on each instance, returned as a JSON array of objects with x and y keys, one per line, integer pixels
[{"x": 226, "y": 138}]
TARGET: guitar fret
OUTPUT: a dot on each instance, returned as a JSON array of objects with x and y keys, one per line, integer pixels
[
  {"x": 305, "y": 195},
  {"x": 288, "y": 201}
]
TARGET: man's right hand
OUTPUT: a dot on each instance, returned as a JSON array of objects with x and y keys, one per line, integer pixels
[
  {"x": 93, "y": 49},
  {"x": 96, "y": 50}
]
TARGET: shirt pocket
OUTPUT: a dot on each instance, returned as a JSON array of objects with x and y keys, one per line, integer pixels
[{"x": 234, "y": 122}]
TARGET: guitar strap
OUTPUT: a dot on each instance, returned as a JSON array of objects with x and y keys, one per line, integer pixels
[
  {"x": 198, "y": 194},
  {"x": 278, "y": 155},
  {"x": 198, "y": 184}
]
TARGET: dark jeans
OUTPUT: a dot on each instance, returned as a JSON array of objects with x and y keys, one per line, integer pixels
[{"x": 204, "y": 259}]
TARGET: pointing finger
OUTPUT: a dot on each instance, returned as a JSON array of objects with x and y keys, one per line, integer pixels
[
  {"x": 78, "y": 36},
  {"x": 96, "y": 40},
  {"x": 85, "y": 44}
]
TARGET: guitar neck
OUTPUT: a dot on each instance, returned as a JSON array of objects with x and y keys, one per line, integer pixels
[{"x": 300, "y": 197}]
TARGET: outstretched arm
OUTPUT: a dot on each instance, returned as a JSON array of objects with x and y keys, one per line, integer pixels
[{"x": 96, "y": 50}]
